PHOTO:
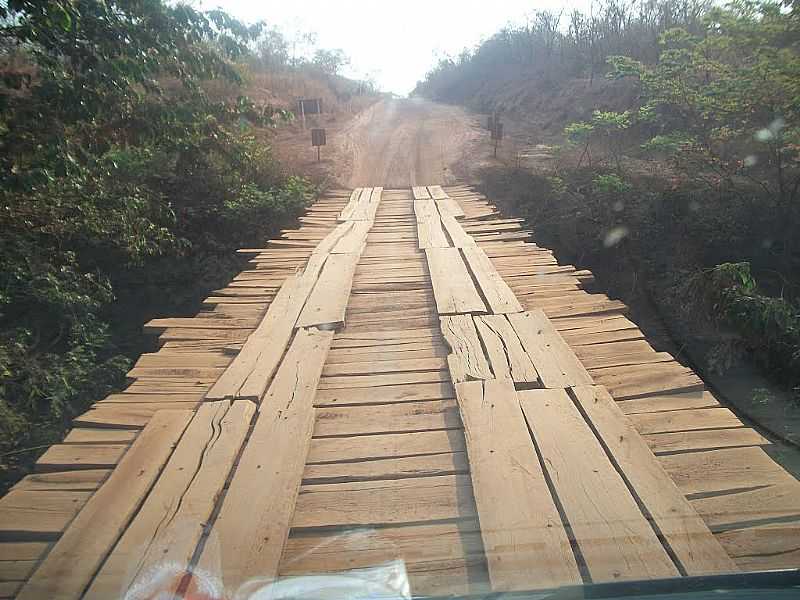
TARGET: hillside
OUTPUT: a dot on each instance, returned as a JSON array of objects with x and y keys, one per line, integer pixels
[{"x": 658, "y": 146}]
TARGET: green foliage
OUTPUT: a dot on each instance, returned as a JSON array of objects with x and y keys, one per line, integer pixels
[
  {"x": 610, "y": 184},
  {"x": 578, "y": 132},
  {"x": 125, "y": 189},
  {"x": 770, "y": 326}
]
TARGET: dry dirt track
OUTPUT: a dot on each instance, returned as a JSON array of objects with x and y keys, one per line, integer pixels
[{"x": 399, "y": 143}]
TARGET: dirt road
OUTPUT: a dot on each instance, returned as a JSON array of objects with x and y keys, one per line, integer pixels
[{"x": 398, "y": 143}]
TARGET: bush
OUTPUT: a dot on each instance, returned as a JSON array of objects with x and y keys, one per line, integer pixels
[{"x": 125, "y": 190}]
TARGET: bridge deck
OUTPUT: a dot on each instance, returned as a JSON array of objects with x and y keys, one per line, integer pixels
[{"x": 404, "y": 377}]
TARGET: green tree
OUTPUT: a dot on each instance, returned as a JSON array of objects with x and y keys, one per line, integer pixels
[{"x": 123, "y": 184}]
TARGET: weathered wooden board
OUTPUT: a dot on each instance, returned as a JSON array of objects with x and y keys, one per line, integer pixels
[
  {"x": 710, "y": 439},
  {"x": 525, "y": 542},
  {"x": 420, "y": 192},
  {"x": 452, "y": 285},
  {"x": 614, "y": 537},
  {"x": 685, "y": 420},
  {"x": 677, "y": 521},
  {"x": 327, "y": 303},
  {"x": 499, "y": 296},
  {"x": 557, "y": 365},
  {"x": 261, "y": 354},
  {"x": 70, "y": 565},
  {"x": 385, "y": 445},
  {"x": 460, "y": 238},
  {"x": 410, "y": 500},
  {"x": 723, "y": 470},
  {"x": 507, "y": 357},
  {"x": 387, "y": 418},
  {"x": 467, "y": 360},
  {"x": 270, "y": 469},
  {"x": 169, "y": 524}
]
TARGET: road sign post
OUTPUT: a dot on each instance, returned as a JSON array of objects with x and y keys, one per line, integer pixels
[
  {"x": 318, "y": 139},
  {"x": 497, "y": 134}
]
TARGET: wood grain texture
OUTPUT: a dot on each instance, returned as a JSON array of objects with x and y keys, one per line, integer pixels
[
  {"x": 452, "y": 285},
  {"x": 273, "y": 459},
  {"x": 677, "y": 521},
  {"x": 74, "y": 559},
  {"x": 614, "y": 537},
  {"x": 525, "y": 542}
]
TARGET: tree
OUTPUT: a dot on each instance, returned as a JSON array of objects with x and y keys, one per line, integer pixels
[{"x": 330, "y": 61}]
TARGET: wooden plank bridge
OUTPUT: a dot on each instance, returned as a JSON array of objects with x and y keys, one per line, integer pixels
[{"x": 405, "y": 376}]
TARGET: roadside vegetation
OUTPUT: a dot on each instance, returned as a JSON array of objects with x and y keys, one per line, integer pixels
[
  {"x": 672, "y": 130},
  {"x": 133, "y": 165}
]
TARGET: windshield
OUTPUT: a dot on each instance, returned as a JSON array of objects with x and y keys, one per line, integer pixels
[{"x": 371, "y": 300}]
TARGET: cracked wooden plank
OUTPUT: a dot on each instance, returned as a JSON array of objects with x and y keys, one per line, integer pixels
[
  {"x": 614, "y": 537},
  {"x": 678, "y": 523},
  {"x": 261, "y": 354},
  {"x": 347, "y": 211},
  {"x": 270, "y": 469},
  {"x": 452, "y": 285},
  {"x": 171, "y": 521},
  {"x": 70, "y": 565},
  {"x": 327, "y": 303},
  {"x": 498, "y": 295},
  {"x": 420, "y": 192},
  {"x": 507, "y": 357},
  {"x": 525, "y": 542},
  {"x": 466, "y": 360}
]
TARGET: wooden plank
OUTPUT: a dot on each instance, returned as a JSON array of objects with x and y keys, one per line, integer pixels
[
  {"x": 258, "y": 359},
  {"x": 452, "y": 285},
  {"x": 385, "y": 418},
  {"x": 669, "y": 402},
  {"x": 711, "y": 439},
  {"x": 353, "y": 241},
  {"x": 498, "y": 295},
  {"x": 613, "y": 535},
  {"x": 436, "y": 544},
  {"x": 436, "y": 192},
  {"x": 449, "y": 207},
  {"x": 420, "y": 192},
  {"x": 765, "y": 547},
  {"x": 409, "y": 500},
  {"x": 507, "y": 357},
  {"x": 38, "y": 515},
  {"x": 169, "y": 524},
  {"x": 85, "y": 435},
  {"x": 327, "y": 303},
  {"x": 677, "y": 521},
  {"x": 352, "y": 202},
  {"x": 384, "y": 394},
  {"x": 557, "y": 365},
  {"x": 525, "y": 542},
  {"x": 385, "y": 445},
  {"x": 73, "y": 456},
  {"x": 724, "y": 470},
  {"x": 460, "y": 238},
  {"x": 23, "y": 550},
  {"x": 467, "y": 360},
  {"x": 685, "y": 420},
  {"x": 73, "y": 480},
  {"x": 428, "y": 465},
  {"x": 751, "y": 506},
  {"x": 273, "y": 459},
  {"x": 70, "y": 565}
]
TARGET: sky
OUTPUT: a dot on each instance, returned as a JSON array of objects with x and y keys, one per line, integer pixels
[{"x": 396, "y": 41}]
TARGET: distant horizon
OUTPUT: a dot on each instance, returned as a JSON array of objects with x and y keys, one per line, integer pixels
[{"x": 393, "y": 43}]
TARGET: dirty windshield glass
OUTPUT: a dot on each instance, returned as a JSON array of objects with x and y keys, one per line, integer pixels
[{"x": 390, "y": 300}]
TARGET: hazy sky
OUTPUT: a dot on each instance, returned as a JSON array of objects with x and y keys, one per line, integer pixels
[{"x": 396, "y": 41}]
